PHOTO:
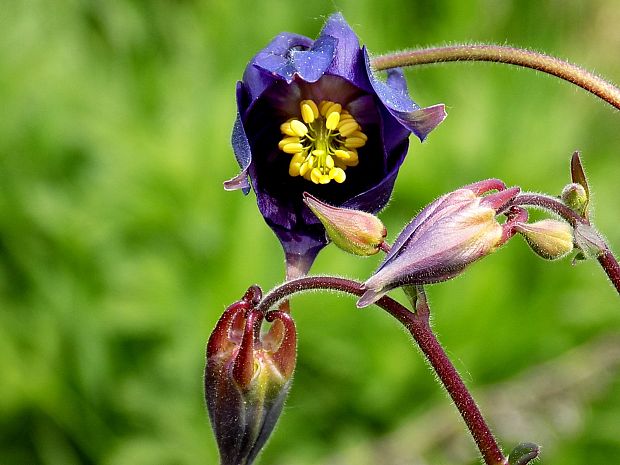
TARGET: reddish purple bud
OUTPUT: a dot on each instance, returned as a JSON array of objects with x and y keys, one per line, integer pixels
[
  {"x": 449, "y": 234},
  {"x": 247, "y": 377}
]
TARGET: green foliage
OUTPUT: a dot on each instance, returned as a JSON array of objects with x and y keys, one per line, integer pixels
[{"x": 119, "y": 249}]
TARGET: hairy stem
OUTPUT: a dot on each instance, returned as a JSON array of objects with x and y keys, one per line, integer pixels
[
  {"x": 508, "y": 55},
  {"x": 418, "y": 324}
]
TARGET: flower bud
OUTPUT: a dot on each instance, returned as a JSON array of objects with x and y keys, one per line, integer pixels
[
  {"x": 551, "y": 239},
  {"x": 353, "y": 231},
  {"x": 438, "y": 244},
  {"x": 575, "y": 196},
  {"x": 247, "y": 377}
]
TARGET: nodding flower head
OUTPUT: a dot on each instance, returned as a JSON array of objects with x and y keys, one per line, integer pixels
[
  {"x": 452, "y": 232},
  {"x": 247, "y": 377},
  {"x": 313, "y": 117}
]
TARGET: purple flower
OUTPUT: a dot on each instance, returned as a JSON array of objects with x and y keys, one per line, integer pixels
[
  {"x": 313, "y": 117},
  {"x": 445, "y": 237}
]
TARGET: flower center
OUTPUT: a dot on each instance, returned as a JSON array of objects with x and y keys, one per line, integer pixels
[{"x": 324, "y": 144}]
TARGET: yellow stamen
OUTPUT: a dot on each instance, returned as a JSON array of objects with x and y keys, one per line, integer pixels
[
  {"x": 285, "y": 128},
  {"x": 315, "y": 175},
  {"x": 347, "y": 127},
  {"x": 299, "y": 128},
  {"x": 309, "y": 111},
  {"x": 323, "y": 141},
  {"x": 338, "y": 175},
  {"x": 292, "y": 148},
  {"x": 332, "y": 120},
  {"x": 343, "y": 154},
  {"x": 353, "y": 159},
  {"x": 352, "y": 143},
  {"x": 293, "y": 168},
  {"x": 288, "y": 140},
  {"x": 329, "y": 162}
]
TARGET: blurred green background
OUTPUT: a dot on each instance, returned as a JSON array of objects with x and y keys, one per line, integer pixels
[{"x": 119, "y": 248}]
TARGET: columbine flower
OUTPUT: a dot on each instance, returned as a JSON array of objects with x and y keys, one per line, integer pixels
[
  {"x": 448, "y": 235},
  {"x": 313, "y": 117},
  {"x": 247, "y": 377}
]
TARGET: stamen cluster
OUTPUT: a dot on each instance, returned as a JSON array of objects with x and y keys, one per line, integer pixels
[{"x": 323, "y": 143}]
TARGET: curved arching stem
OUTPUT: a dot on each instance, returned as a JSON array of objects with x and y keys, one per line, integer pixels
[
  {"x": 503, "y": 54},
  {"x": 418, "y": 324}
]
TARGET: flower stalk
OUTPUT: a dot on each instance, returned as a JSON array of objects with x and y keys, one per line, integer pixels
[
  {"x": 418, "y": 324},
  {"x": 508, "y": 55}
]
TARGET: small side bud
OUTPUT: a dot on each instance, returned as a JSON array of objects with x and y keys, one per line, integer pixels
[
  {"x": 524, "y": 453},
  {"x": 353, "y": 231},
  {"x": 575, "y": 196},
  {"x": 550, "y": 239},
  {"x": 247, "y": 378}
]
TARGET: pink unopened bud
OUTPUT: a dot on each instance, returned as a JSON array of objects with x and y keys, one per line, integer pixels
[
  {"x": 438, "y": 244},
  {"x": 353, "y": 231},
  {"x": 247, "y": 377}
]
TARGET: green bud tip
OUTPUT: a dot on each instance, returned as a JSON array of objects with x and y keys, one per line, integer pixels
[{"x": 575, "y": 196}]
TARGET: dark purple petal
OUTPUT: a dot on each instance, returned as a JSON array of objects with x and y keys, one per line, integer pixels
[{"x": 394, "y": 95}]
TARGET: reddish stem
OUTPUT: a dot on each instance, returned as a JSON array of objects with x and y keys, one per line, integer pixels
[{"x": 419, "y": 326}]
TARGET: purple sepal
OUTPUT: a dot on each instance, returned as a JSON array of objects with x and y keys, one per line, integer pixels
[
  {"x": 243, "y": 154},
  {"x": 347, "y": 61},
  {"x": 394, "y": 95},
  {"x": 291, "y": 57}
]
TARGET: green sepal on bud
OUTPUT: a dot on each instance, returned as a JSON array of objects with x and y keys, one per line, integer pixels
[
  {"x": 354, "y": 231},
  {"x": 550, "y": 239}
]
